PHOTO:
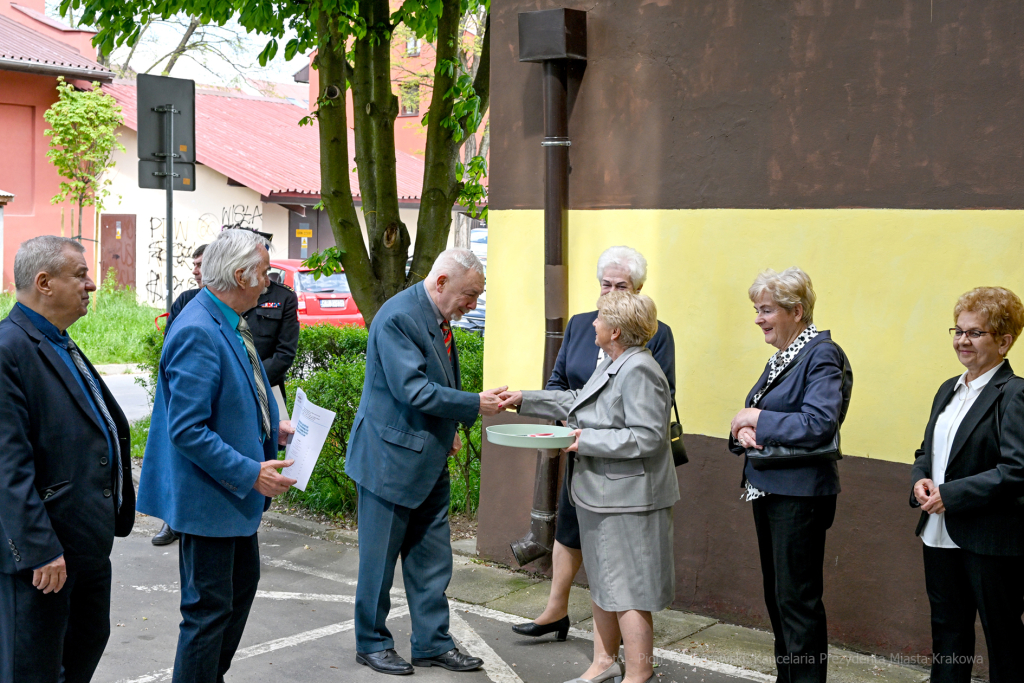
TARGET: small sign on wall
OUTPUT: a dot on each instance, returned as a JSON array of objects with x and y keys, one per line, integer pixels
[
  {"x": 303, "y": 233},
  {"x": 118, "y": 226}
]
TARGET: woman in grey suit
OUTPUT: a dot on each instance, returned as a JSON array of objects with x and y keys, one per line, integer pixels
[{"x": 623, "y": 483}]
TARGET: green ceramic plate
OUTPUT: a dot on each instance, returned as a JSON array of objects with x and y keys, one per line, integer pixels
[{"x": 519, "y": 436}]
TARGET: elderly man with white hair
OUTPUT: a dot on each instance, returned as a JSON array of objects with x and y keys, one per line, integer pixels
[
  {"x": 211, "y": 462},
  {"x": 403, "y": 433}
]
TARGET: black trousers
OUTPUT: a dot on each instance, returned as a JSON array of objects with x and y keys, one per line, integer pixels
[
  {"x": 40, "y": 634},
  {"x": 219, "y": 577},
  {"x": 961, "y": 585},
  {"x": 791, "y": 542}
]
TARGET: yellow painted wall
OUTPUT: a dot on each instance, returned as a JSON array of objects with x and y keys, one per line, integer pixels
[{"x": 886, "y": 281}]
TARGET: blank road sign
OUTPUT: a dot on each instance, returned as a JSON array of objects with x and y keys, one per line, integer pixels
[{"x": 159, "y": 91}]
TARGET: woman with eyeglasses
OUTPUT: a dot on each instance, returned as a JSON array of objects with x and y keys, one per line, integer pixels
[{"x": 968, "y": 480}]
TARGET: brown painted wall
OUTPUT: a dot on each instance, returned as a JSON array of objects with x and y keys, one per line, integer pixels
[
  {"x": 768, "y": 104},
  {"x": 874, "y": 574}
]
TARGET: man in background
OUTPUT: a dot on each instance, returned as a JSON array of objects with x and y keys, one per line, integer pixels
[
  {"x": 66, "y": 485},
  {"x": 211, "y": 464},
  {"x": 403, "y": 433}
]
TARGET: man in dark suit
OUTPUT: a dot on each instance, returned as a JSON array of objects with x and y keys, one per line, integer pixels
[
  {"x": 274, "y": 322},
  {"x": 66, "y": 483},
  {"x": 402, "y": 435},
  {"x": 211, "y": 459},
  {"x": 188, "y": 294}
]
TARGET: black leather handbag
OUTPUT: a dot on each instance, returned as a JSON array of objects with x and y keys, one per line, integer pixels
[
  {"x": 675, "y": 435},
  {"x": 780, "y": 457}
]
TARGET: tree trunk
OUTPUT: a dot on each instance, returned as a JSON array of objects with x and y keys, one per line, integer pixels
[
  {"x": 335, "y": 187},
  {"x": 440, "y": 187},
  {"x": 182, "y": 45}
]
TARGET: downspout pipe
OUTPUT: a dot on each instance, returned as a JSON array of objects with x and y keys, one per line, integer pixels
[{"x": 552, "y": 37}]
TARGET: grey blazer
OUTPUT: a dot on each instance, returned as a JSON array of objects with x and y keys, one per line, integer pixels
[{"x": 624, "y": 462}]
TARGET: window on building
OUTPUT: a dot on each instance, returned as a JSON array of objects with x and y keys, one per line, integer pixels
[
  {"x": 409, "y": 98},
  {"x": 412, "y": 47}
]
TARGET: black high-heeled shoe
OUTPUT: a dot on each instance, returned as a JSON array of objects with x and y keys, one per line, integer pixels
[{"x": 534, "y": 629}]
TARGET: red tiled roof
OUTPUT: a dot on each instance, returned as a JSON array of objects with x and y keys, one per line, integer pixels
[
  {"x": 49, "y": 21},
  {"x": 258, "y": 142},
  {"x": 23, "y": 49}
]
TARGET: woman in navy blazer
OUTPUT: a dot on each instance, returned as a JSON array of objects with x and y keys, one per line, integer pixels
[
  {"x": 800, "y": 400},
  {"x": 968, "y": 480},
  {"x": 618, "y": 269}
]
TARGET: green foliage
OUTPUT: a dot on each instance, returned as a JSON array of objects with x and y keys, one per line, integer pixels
[
  {"x": 150, "y": 348},
  {"x": 140, "y": 433},
  {"x": 330, "y": 367},
  {"x": 7, "y": 302},
  {"x": 473, "y": 191},
  {"x": 83, "y": 136},
  {"x": 325, "y": 263},
  {"x": 320, "y": 346}
]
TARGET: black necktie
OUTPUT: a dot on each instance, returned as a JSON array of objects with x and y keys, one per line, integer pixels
[
  {"x": 97, "y": 397},
  {"x": 254, "y": 361}
]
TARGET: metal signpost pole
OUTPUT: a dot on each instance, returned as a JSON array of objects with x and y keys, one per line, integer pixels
[{"x": 169, "y": 112}]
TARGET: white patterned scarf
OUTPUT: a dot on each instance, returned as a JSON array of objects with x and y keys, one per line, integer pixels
[{"x": 776, "y": 364}]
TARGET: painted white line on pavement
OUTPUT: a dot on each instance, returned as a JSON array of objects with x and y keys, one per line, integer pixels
[
  {"x": 266, "y": 595},
  {"x": 670, "y": 655},
  {"x": 494, "y": 666},
  {"x": 397, "y": 594},
  {"x": 271, "y": 646}
]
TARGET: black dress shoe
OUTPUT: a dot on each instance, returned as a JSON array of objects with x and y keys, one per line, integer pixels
[
  {"x": 166, "y": 535},
  {"x": 385, "y": 662},
  {"x": 534, "y": 629},
  {"x": 453, "y": 660}
]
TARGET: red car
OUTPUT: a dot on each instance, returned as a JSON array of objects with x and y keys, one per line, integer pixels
[{"x": 321, "y": 300}]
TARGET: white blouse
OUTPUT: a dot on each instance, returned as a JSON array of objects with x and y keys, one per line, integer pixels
[{"x": 946, "y": 426}]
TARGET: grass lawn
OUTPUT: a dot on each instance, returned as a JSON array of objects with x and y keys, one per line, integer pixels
[{"x": 112, "y": 331}]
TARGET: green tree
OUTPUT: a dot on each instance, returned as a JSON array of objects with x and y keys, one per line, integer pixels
[
  {"x": 83, "y": 136},
  {"x": 353, "y": 43}
]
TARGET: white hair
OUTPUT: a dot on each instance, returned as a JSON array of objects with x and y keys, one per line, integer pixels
[
  {"x": 453, "y": 263},
  {"x": 43, "y": 254},
  {"x": 624, "y": 257},
  {"x": 230, "y": 251}
]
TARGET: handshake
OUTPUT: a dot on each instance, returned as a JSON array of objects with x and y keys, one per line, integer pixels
[{"x": 494, "y": 401}]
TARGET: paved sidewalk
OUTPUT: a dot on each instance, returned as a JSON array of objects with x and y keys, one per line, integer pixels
[{"x": 693, "y": 640}]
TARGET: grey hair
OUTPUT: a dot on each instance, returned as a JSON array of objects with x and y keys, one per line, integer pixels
[
  {"x": 454, "y": 262},
  {"x": 624, "y": 257},
  {"x": 787, "y": 289},
  {"x": 230, "y": 251},
  {"x": 43, "y": 254}
]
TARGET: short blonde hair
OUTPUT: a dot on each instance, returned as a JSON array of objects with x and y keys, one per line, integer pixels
[
  {"x": 787, "y": 289},
  {"x": 1002, "y": 309},
  {"x": 635, "y": 316}
]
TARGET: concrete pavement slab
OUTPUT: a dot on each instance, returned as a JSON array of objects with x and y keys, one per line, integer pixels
[
  {"x": 531, "y": 601},
  {"x": 133, "y": 399},
  {"x": 670, "y": 626},
  {"x": 479, "y": 584}
]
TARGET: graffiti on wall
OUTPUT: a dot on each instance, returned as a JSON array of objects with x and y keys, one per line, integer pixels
[{"x": 189, "y": 233}]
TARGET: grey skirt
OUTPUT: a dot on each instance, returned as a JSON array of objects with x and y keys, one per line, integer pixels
[{"x": 629, "y": 559}]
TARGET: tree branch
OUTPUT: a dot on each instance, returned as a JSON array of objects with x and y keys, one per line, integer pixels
[{"x": 182, "y": 45}]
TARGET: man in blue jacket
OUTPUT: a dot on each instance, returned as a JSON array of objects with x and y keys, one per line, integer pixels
[
  {"x": 402, "y": 435},
  {"x": 211, "y": 459}
]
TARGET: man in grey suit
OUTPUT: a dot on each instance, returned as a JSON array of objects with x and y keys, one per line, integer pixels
[{"x": 403, "y": 433}]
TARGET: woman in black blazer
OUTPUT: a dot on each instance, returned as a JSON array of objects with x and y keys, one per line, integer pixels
[
  {"x": 968, "y": 480},
  {"x": 800, "y": 401},
  {"x": 618, "y": 269}
]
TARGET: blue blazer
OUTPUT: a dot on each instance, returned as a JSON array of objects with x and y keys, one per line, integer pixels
[
  {"x": 577, "y": 359},
  {"x": 204, "y": 451},
  {"x": 804, "y": 408},
  {"x": 411, "y": 405}
]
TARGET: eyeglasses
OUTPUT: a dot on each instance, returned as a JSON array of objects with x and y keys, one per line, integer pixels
[{"x": 973, "y": 334}]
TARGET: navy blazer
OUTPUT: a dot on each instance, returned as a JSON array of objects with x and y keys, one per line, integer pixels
[
  {"x": 56, "y": 485},
  {"x": 804, "y": 407},
  {"x": 411, "y": 404},
  {"x": 204, "y": 451},
  {"x": 985, "y": 470},
  {"x": 577, "y": 359}
]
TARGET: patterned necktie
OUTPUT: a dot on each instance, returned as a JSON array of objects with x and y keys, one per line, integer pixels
[
  {"x": 97, "y": 397},
  {"x": 446, "y": 329},
  {"x": 254, "y": 361}
]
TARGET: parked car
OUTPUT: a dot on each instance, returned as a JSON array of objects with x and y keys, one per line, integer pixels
[
  {"x": 478, "y": 243},
  {"x": 321, "y": 299}
]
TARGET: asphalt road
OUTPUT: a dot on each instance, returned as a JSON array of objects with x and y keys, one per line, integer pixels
[
  {"x": 300, "y": 628},
  {"x": 130, "y": 396}
]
